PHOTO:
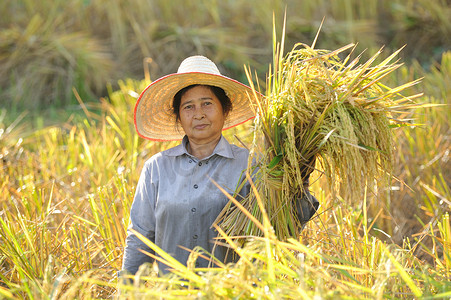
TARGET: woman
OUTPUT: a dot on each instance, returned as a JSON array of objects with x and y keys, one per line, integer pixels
[{"x": 176, "y": 201}]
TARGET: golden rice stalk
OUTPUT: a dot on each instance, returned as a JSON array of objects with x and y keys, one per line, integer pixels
[{"x": 319, "y": 106}]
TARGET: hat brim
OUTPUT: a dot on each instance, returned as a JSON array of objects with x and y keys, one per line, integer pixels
[{"x": 154, "y": 118}]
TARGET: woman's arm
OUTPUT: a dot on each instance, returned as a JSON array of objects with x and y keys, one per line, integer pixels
[
  {"x": 142, "y": 220},
  {"x": 306, "y": 204}
]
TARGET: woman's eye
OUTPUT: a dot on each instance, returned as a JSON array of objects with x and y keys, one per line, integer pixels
[{"x": 187, "y": 107}]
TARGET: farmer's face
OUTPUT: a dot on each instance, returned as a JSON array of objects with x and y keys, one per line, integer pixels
[{"x": 201, "y": 114}]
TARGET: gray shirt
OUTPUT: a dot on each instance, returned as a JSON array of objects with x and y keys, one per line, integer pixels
[{"x": 176, "y": 202}]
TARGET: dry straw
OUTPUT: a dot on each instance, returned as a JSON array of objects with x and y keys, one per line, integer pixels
[{"x": 319, "y": 107}]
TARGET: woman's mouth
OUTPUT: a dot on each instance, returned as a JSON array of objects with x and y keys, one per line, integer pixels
[{"x": 201, "y": 126}]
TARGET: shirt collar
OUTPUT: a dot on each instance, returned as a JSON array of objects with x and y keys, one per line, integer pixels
[{"x": 223, "y": 148}]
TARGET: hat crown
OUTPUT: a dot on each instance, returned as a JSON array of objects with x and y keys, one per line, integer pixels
[{"x": 198, "y": 63}]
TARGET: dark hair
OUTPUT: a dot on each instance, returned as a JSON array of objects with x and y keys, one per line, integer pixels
[{"x": 219, "y": 93}]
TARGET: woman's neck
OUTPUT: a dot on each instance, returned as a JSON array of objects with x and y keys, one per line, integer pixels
[{"x": 203, "y": 149}]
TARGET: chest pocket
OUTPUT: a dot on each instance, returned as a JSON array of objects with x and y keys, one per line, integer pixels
[{"x": 216, "y": 198}]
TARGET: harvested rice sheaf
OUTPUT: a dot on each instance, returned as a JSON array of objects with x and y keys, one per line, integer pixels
[{"x": 319, "y": 107}]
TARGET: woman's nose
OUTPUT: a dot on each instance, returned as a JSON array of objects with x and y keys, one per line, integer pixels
[{"x": 199, "y": 113}]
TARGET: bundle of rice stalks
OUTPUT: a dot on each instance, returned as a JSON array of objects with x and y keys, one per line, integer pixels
[{"x": 319, "y": 107}]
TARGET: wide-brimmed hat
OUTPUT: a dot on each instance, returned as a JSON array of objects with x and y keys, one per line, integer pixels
[{"x": 154, "y": 117}]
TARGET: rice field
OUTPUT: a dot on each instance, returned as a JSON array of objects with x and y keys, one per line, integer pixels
[
  {"x": 66, "y": 193},
  {"x": 67, "y": 177}
]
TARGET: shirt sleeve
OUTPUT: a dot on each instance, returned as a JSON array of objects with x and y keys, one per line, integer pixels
[
  {"x": 244, "y": 181},
  {"x": 306, "y": 204},
  {"x": 142, "y": 220}
]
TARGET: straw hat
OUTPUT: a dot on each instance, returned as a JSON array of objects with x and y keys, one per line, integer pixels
[{"x": 154, "y": 117}]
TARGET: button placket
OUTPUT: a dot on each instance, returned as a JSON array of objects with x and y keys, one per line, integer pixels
[{"x": 193, "y": 199}]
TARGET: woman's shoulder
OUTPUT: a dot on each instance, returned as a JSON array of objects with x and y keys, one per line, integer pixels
[
  {"x": 152, "y": 160},
  {"x": 239, "y": 152}
]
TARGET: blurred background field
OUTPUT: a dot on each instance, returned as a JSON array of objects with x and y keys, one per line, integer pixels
[{"x": 70, "y": 74}]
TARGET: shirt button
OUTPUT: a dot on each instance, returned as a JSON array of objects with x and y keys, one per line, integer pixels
[
  {"x": 190, "y": 161},
  {"x": 195, "y": 236},
  {"x": 193, "y": 209},
  {"x": 196, "y": 186},
  {"x": 200, "y": 164}
]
